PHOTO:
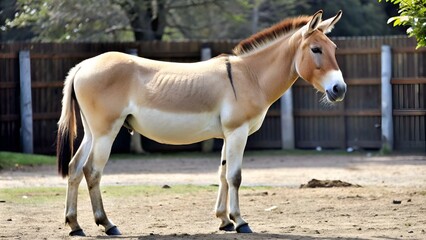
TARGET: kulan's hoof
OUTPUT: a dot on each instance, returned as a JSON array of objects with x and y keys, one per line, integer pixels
[
  {"x": 78, "y": 232},
  {"x": 113, "y": 231},
  {"x": 244, "y": 229},
  {"x": 228, "y": 228}
]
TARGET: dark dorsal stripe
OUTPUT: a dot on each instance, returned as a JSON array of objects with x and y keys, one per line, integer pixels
[{"x": 229, "y": 70}]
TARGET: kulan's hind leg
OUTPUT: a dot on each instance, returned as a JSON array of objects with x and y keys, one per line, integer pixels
[
  {"x": 93, "y": 172},
  {"x": 75, "y": 176}
]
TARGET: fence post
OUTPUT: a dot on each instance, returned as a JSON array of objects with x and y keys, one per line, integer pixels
[
  {"x": 26, "y": 102},
  {"x": 206, "y": 53},
  {"x": 135, "y": 138},
  {"x": 387, "y": 118},
  {"x": 287, "y": 120}
]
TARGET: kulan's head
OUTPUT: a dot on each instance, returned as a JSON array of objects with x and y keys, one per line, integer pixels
[{"x": 315, "y": 59}]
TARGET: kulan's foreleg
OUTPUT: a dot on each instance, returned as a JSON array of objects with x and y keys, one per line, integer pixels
[
  {"x": 222, "y": 198},
  {"x": 235, "y": 144}
]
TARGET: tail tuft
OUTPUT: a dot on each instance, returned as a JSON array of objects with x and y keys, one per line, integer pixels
[{"x": 63, "y": 152}]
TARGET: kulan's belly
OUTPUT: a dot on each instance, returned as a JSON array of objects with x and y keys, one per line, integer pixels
[{"x": 176, "y": 128}]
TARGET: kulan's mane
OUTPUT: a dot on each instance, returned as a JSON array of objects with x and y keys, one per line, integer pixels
[{"x": 269, "y": 34}]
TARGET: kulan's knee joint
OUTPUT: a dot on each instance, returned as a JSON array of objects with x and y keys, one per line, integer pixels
[{"x": 235, "y": 179}]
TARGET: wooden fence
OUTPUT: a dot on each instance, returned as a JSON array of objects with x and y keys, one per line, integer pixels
[{"x": 353, "y": 123}]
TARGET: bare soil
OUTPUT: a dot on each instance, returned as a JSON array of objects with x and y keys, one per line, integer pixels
[{"x": 391, "y": 204}]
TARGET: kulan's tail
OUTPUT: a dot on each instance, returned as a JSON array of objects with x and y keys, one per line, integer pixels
[{"x": 67, "y": 126}]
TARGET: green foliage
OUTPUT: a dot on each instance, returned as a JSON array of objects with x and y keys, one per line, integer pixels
[
  {"x": 122, "y": 20},
  {"x": 360, "y": 18},
  {"x": 412, "y": 14},
  {"x": 72, "y": 20},
  {"x": 385, "y": 150}
]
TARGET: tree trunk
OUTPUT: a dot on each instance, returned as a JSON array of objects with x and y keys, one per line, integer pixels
[{"x": 147, "y": 18}]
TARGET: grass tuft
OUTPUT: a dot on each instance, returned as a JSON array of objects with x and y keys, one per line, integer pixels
[{"x": 11, "y": 159}]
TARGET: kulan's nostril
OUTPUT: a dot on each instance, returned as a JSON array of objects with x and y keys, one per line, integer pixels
[
  {"x": 336, "y": 89},
  {"x": 339, "y": 89}
]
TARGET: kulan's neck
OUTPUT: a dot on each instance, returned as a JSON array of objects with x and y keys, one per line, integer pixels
[{"x": 273, "y": 67}]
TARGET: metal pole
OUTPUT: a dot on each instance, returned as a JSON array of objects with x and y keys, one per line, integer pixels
[
  {"x": 26, "y": 102},
  {"x": 135, "y": 138},
  {"x": 387, "y": 118},
  {"x": 206, "y": 54},
  {"x": 287, "y": 120}
]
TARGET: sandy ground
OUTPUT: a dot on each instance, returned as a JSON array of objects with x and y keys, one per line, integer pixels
[
  {"x": 282, "y": 211},
  {"x": 286, "y": 171}
]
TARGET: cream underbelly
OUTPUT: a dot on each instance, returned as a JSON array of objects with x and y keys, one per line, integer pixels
[{"x": 176, "y": 128}]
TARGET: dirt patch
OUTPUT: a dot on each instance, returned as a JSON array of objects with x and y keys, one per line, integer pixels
[
  {"x": 280, "y": 211},
  {"x": 315, "y": 183}
]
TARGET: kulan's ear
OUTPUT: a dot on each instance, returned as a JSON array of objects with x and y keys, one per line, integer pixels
[
  {"x": 313, "y": 23},
  {"x": 328, "y": 25}
]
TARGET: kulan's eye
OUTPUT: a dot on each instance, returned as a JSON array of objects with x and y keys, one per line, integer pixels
[{"x": 316, "y": 50}]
